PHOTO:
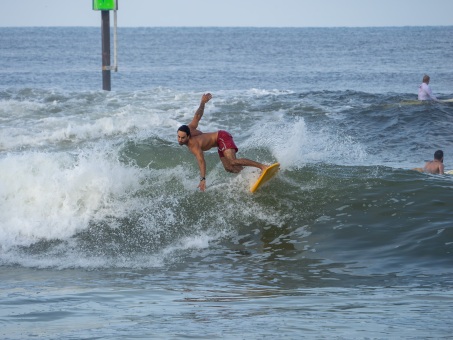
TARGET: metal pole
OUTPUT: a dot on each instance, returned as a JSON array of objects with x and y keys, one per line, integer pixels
[
  {"x": 115, "y": 43},
  {"x": 106, "y": 75}
]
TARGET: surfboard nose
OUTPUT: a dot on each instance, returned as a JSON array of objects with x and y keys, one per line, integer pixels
[{"x": 265, "y": 176}]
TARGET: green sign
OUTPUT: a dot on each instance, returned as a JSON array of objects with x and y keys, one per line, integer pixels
[{"x": 104, "y": 5}]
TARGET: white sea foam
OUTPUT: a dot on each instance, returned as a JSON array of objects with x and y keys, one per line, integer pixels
[
  {"x": 295, "y": 145},
  {"x": 54, "y": 195}
]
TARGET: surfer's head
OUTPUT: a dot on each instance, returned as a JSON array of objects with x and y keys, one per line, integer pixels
[
  {"x": 439, "y": 155},
  {"x": 426, "y": 79},
  {"x": 183, "y": 134}
]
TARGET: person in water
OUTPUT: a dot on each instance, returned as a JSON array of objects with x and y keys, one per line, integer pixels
[
  {"x": 198, "y": 142},
  {"x": 424, "y": 90},
  {"x": 435, "y": 166}
]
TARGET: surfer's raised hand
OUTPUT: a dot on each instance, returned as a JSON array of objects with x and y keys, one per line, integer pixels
[
  {"x": 193, "y": 125},
  {"x": 206, "y": 97}
]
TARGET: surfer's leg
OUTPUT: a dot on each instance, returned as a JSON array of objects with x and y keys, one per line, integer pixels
[
  {"x": 229, "y": 167},
  {"x": 233, "y": 164}
]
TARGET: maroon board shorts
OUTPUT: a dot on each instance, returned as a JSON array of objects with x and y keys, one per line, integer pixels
[{"x": 225, "y": 141}]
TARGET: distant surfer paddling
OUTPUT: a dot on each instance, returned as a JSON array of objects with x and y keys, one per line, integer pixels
[
  {"x": 424, "y": 90},
  {"x": 435, "y": 166},
  {"x": 198, "y": 142}
]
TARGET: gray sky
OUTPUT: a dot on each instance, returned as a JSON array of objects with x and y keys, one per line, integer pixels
[{"x": 257, "y": 13}]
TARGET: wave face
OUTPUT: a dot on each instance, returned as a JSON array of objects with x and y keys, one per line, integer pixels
[{"x": 97, "y": 180}]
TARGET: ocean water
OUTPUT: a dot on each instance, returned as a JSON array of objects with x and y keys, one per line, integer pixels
[{"x": 103, "y": 233}]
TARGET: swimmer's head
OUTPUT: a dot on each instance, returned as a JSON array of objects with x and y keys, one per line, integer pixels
[{"x": 439, "y": 155}]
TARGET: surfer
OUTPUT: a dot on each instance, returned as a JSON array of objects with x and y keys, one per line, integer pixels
[
  {"x": 424, "y": 90},
  {"x": 435, "y": 166},
  {"x": 198, "y": 142}
]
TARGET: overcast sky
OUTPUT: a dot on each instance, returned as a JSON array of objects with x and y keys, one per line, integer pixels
[{"x": 256, "y": 13}]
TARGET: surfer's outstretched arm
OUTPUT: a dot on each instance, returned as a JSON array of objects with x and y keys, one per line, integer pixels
[
  {"x": 199, "y": 113},
  {"x": 202, "y": 165}
]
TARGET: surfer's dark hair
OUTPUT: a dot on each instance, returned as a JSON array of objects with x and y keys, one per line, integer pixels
[
  {"x": 439, "y": 154},
  {"x": 185, "y": 128}
]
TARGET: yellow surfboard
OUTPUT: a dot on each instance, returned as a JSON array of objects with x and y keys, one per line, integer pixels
[
  {"x": 447, "y": 172},
  {"x": 265, "y": 176},
  {"x": 417, "y": 102}
]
